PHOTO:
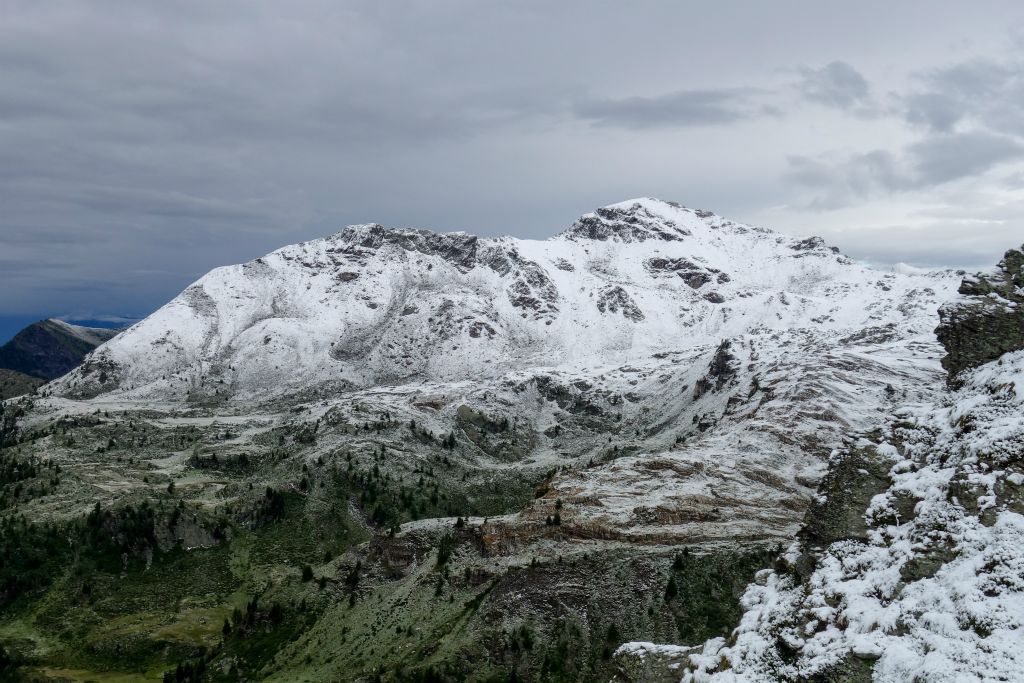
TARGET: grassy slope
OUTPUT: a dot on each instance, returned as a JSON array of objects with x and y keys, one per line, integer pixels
[
  {"x": 14, "y": 383},
  {"x": 375, "y": 606}
]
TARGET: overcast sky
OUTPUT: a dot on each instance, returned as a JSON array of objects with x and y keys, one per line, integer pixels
[{"x": 142, "y": 143}]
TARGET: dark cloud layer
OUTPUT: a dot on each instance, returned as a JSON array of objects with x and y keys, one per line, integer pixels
[
  {"x": 142, "y": 143},
  {"x": 679, "y": 109},
  {"x": 930, "y": 162}
]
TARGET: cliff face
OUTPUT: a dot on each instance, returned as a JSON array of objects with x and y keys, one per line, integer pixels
[{"x": 988, "y": 320}]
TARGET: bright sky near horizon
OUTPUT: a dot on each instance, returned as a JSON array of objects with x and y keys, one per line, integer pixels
[{"x": 143, "y": 143}]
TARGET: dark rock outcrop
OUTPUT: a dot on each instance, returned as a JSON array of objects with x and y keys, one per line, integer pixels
[
  {"x": 989, "y": 320},
  {"x": 617, "y": 299},
  {"x": 852, "y": 481},
  {"x": 626, "y": 224}
]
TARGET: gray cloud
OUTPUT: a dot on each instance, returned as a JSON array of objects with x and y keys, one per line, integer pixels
[
  {"x": 837, "y": 84},
  {"x": 840, "y": 182},
  {"x": 930, "y": 162},
  {"x": 679, "y": 109},
  {"x": 969, "y": 118},
  {"x": 936, "y": 110},
  {"x": 978, "y": 92},
  {"x": 943, "y": 158}
]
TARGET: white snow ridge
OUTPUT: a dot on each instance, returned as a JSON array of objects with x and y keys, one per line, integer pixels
[{"x": 370, "y": 306}]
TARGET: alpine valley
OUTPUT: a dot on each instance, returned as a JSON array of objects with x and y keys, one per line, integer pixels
[{"x": 657, "y": 446}]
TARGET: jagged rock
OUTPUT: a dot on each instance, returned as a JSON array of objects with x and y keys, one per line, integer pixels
[
  {"x": 837, "y": 514},
  {"x": 616, "y": 299},
  {"x": 989, "y": 321},
  {"x": 722, "y": 367},
  {"x": 633, "y": 223}
]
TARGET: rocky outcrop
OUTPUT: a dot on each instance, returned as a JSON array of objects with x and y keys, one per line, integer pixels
[
  {"x": 989, "y": 320},
  {"x": 457, "y": 248},
  {"x": 616, "y": 299},
  {"x": 633, "y": 223},
  {"x": 837, "y": 514},
  {"x": 693, "y": 274}
]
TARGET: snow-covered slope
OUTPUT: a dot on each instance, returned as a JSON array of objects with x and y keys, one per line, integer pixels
[
  {"x": 371, "y": 306},
  {"x": 910, "y": 561},
  {"x": 935, "y": 590}
]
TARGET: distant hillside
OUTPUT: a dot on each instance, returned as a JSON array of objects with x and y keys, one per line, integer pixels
[
  {"x": 50, "y": 348},
  {"x": 14, "y": 383}
]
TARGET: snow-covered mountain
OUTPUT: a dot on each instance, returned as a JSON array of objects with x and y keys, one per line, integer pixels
[
  {"x": 564, "y": 416},
  {"x": 734, "y": 356},
  {"x": 372, "y": 306}
]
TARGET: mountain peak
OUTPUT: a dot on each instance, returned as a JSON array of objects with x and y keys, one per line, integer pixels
[
  {"x": 371, "y": 305},
  {"x": 635, "y": 220}
]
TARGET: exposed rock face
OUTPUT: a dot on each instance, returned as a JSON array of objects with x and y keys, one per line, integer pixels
[
  {"x": 626, "y": 224},
  {"x": 853, "y": 479},
  {"x": 615, "y": 300},
  {"x": 989, "y": 320},
  {"x": 693, "y": 274}
]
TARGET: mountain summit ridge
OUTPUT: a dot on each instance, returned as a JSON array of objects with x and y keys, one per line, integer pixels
[{"x": 369, "y": 304}]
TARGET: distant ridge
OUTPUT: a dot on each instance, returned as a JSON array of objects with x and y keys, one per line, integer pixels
[{"x": 50, "y": 348}]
